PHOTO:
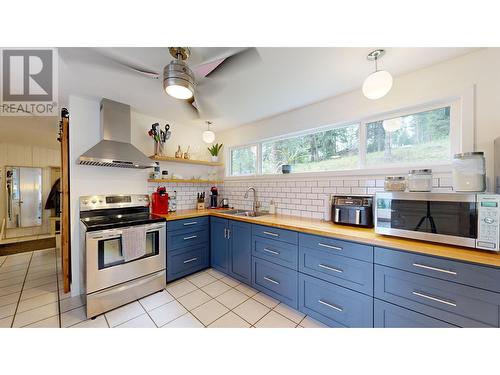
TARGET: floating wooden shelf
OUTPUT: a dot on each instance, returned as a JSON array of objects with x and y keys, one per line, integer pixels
[
  {"x": 191, "y": 181},
  {"x": 186, "y": 161}
]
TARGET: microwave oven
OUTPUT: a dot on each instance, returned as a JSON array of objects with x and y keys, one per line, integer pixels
[{"x": 470, "y": 220}]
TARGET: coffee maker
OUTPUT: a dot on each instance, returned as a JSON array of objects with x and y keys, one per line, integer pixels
[{"x": 213, "y": 197}]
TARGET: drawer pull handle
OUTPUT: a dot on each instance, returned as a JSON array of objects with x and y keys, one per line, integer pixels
[
  {"x": 440, "y": 300},
  {"x": 330, "y": 268},
  {"x": 434, "y": 268},
  {"x": 190, "y": 260},
  {"x": 330, "y": 305},
  {"x": 191, "y": 223},
  {"x": 271, "y": 234},
  {"x": 190, "y": 237},
  {"x": 271, "y": 280},
  {"x": 271, "y": 251},
  {"x": 330, "y": 246}
]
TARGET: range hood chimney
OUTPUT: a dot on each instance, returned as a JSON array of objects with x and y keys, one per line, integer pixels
[{"x": 115, "y": 149}]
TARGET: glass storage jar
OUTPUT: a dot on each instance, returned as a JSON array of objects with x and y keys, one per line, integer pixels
[
  {"x": 469, "y": 172},
  {"x": 420, "y": 180},
  {"x": 394, "y": 183}
]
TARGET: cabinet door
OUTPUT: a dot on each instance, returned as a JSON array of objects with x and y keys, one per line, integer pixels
[
  {"x": 219, "y": 244},
  {"x": 240, "y": 237}
]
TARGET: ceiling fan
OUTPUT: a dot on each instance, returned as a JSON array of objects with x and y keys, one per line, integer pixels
[{"x": 179, "y": 79}]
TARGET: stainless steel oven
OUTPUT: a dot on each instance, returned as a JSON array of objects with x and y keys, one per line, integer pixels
[
  {"x": 470, "y": 220},
  {"x": 112, "y": 279}
]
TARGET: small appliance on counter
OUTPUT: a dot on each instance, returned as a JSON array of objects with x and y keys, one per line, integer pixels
[
  {"x": 224, "y": 203},
  {"x": 461, "y": 219},
  {"x": 355, "y": 210},
  {"x": 213, "y": 197},
  {"x": 159, "y": 201},
  {"x": 172, "y": 202}
]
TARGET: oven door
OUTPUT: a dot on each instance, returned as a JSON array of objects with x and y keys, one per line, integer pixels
[
  {"x": 106, "y": 265},
  {"x": 438, "y": 217}
]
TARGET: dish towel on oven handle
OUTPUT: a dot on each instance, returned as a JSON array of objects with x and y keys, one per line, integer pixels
[{"x": 133, "y": 243}]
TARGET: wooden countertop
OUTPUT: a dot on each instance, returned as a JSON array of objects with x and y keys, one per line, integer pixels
[{"x": 361, "y": 235}]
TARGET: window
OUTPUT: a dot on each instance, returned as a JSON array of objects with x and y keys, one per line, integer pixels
[
  {"x": 422, "y": 136},
  {"x": 334, "y": 149},
  {"x": 412, "y": 137},
  {"x": 244, "y": 161}
]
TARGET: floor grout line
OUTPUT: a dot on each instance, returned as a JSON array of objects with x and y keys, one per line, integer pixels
[{"x": 20, "y": 294}]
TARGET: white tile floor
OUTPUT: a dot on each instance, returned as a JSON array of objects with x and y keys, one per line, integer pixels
[{"x": 31, "y": 296}]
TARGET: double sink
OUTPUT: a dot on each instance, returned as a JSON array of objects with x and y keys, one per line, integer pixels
[{"x": 246, "y": 213}]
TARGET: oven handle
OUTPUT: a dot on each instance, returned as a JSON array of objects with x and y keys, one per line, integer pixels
[
  {"x": 133, "y": 285},
  {"x": 111, "y": 233}
]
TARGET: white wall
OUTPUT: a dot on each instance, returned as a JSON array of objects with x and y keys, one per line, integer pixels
[
  {"x": 28, "y": 155},
  {"x": 88, "y": 180},
  {"x": 447, "y": 79}
]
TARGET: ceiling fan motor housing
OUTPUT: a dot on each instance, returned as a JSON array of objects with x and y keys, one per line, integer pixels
[{"x": 178, "y": 73}]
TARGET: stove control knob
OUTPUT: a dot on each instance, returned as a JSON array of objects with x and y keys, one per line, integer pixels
[
  {"x": 100, "y": 200},
  {"x": 85, "y": 202},
  {"x": 94, "y": 201},
  {"x": 139, "y": 199}
]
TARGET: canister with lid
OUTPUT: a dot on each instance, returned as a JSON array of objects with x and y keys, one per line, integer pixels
[
  {"x": 420, "y": 180},
  {"x": 469, "y": 172},
  {"x": 394, "y": 183}
]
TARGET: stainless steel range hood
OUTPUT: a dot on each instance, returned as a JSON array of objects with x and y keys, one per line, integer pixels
[{"x": 115, "y": 149}]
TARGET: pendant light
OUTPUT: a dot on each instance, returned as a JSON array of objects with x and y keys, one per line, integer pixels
[
  {"x": 379, "y": 83},
  {"x": 208, "y": 135},
  {"x": 178, "y": 79}
]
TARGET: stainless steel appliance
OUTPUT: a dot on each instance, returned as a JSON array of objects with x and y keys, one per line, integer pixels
[
  {"x": 356, "y": 210},
  {"x": 111, "y": 280},
  {"x": 470, "y": 220},
  {"x": 115, "y": 149}
]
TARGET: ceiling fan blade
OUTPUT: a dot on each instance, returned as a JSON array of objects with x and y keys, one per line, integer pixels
[
  {"x": 239, "y": 61},
  {"x": 192, "y": 107},
  {"x": 136, "y": 69}
]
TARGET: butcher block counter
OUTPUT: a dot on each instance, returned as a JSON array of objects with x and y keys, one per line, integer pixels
[{"x": 361, "y": 235}]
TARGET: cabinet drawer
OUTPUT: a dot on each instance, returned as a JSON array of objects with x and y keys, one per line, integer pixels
[
  {"x": 334, "y": 305},
  {"x": 275, "y": 233},
  {"x": 348, "y": 272},
  {"x": 454, "y": 303},
  {"x": 277, "y": 281},
  {"x": 187, "y": 261},
  {"x": 387, "y": 315},
  {"x": 278, "y": 252},
  {"x": 184, "y": 238},
  {"x": 194, "y": 224},
  {"x": 344, "y": 248},
  {"x": 459, "y": 272}
]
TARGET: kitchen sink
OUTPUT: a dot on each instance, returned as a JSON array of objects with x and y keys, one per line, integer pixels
[{"x": 245, "y": 213}]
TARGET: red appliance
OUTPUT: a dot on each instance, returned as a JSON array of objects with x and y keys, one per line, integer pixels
[{"x": 159, "y": 202}]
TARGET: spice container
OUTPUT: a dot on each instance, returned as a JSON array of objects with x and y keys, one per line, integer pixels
[
  {"x": 469, "y": 172},
  {"x": 420, "y": 180},
  {"x": 394, "y": 183}
]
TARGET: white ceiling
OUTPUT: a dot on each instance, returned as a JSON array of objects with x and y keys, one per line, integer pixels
[
  {"x": 284, "y": 79},
  {"x": 38, "y": 131}
]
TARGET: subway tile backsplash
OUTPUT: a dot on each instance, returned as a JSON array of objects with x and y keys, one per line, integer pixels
[{"x": 297, "y": 197}]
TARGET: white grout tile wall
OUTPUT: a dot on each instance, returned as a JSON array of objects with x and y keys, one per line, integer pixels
[{"x": 297, "y": 197}]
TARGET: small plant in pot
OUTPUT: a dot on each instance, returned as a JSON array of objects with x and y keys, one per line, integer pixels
[
  {"x": 286, "y": 168},
  {"x": 214, "y": 151}
]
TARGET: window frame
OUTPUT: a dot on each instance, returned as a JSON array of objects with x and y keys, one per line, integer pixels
[{"x": 461, "y": 139}]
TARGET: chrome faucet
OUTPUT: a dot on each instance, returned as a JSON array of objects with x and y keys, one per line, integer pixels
[{"x": 255, "y": 203}]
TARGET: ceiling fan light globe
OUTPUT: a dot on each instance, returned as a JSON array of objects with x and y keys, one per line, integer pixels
[
  {"x": 208, "y": 136},
  {"x": 179, "y": 92},
  {"x": 377, "y": 84}
]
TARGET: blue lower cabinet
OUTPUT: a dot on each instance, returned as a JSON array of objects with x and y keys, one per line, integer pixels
[
  {"x": 219, "y": 244},
  {"x": 456, "y": 304},
  {"x": 387, "y": 315},
  {"x": 184, "y": 238},
  {"x": 240, "y": 251},
  {"x": 347, "y": 272},
  {"x": 334, "y": 305},
  {"x": 277, "y": 281},
  {"x": 282, "y": 253},
  {"x": 186, "y": 261}
]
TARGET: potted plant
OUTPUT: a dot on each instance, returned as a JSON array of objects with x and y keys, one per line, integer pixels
[{"x": 214, "y": 151}]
